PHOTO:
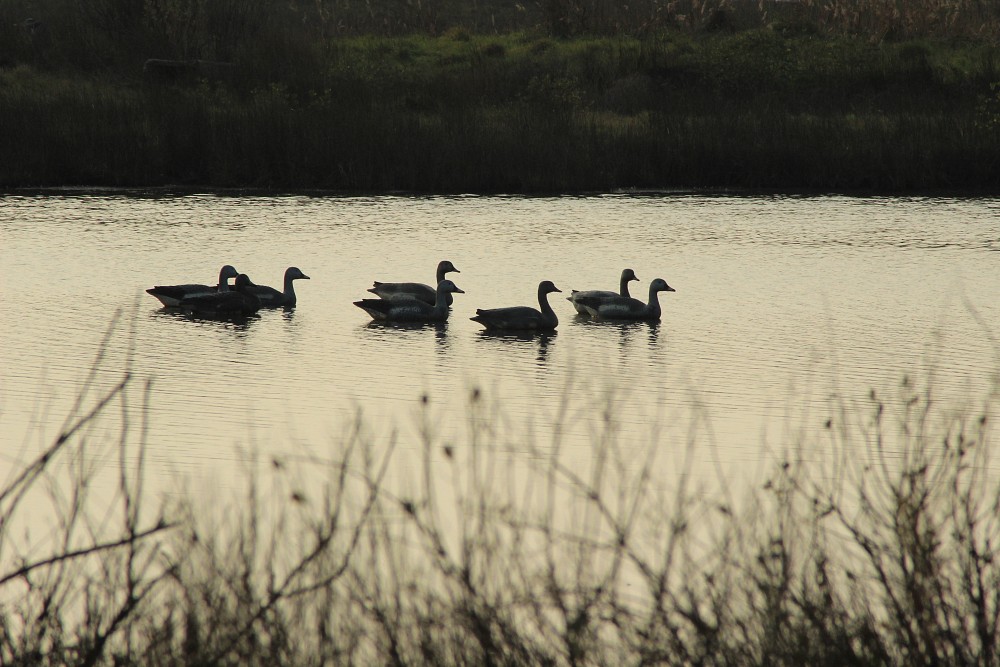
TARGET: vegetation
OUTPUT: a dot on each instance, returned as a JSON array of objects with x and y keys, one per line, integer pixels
[
  {"x": 876, "y": 545},
  {"x": 452, "y": 96}
]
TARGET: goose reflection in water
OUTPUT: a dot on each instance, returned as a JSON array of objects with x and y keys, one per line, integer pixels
[
  {"x": 376, "y": 325},
  {"x": 441, "y": 339},
  {"x": 512, "y": 339},
  {"x": 628, "y": 330},
  {"x": 654, "y": 331},
  {"x": 241, "y": 324},
  {"x": 391, "y": 332}
]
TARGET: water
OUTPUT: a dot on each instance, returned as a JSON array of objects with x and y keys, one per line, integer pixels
[{"x": 784, "y": 306}]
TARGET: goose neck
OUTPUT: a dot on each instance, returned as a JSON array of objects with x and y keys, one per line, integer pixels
[
  {"x": 547, "y": 312},
  {"x": 441, "y": 301},
  {"x": 654, "y": 302},
  {"x": 623, "y": 287}
]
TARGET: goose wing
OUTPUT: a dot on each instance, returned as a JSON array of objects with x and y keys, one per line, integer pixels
[
  {"x": 613, "y": 307},
  {"x": 405, "y": 290},
  {"x": 269, "y": 297},
  {"x": 514, "y": 317},
  {"x": 397, "y": 310},
  {"x": 171, "y": 295},
  {"x": 220, "y": 303},
  {"x": 578, "y": 297}
]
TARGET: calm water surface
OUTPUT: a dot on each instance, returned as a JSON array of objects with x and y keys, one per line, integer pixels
[{"x": 783, "y": 306}]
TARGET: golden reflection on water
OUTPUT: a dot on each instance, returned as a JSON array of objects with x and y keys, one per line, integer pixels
[{"x": 783, "y": 304}]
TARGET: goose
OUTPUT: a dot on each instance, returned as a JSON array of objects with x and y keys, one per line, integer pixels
[
  {"x": 237, "y": 302},
  {"x": 410, "y": 309},
  {"x": 627, "y": 276},
  {"x": 522, "y": 317},
  {"x": 272, "y": 298},
  {"x": 626, "y": 308},
  {"x": 171, "y": 295},
  {"x": 416, "y": 290}
]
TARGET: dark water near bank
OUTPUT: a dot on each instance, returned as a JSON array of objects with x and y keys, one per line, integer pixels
[{"x": 784, "y": 307}]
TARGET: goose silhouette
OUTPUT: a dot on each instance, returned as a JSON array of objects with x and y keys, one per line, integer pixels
[
  {"x": 170, "y": 295},
  {"x": 627, "y": 308},
  {"x": 420, "y": 291},
  {"x": 628, "y": 275},
  {"x": 522, "y": 318},
  {"x": 272, "y": 298},
  {"x": 411, "y": 309}
]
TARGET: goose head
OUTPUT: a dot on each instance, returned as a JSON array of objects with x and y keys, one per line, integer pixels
[
  {"x": 242, "y": 282},
  {"x": 446, "y": 267},
  {"x": 546, "y": 287},
  {"x": 446, "y": 286},
  {"x": 629, "y": 275},
  {"x": 227, "y": 272},
  {"x": 660, "y": 285},
  {"x": 293, "y": 273}
]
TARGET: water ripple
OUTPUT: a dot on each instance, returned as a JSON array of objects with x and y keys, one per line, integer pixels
[{"x": 781, "y": 304}]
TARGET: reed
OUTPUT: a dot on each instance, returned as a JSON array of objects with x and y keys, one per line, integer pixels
[{"x": 873, "y": 542}]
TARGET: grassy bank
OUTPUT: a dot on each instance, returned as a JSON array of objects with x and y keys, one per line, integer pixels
[
  {"x": 780, "y": 100},
  {"x": 875, "y": 544}
]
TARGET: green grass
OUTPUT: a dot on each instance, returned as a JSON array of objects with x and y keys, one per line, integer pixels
[{"x": 773, "y": 105}]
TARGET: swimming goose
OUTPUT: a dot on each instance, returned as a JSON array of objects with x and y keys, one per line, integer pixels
[
  {"x": 410, "y": 309},
  {"x": 625, "y": 308},
  {"x": 415, "y": 290},
  {"x": 272, "y": 298},
  {"x": 170, "y": 295},
  {"x": 231, "y": 303},
  {"x": 627, "y": 276},
  {"x": 522, "y": 317}
]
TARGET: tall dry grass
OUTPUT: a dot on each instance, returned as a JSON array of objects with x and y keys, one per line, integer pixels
[{"x": 873, "y": 541}]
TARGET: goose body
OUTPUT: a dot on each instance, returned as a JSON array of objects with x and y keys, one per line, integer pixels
[
  {"x": 272, "y": 298},
  {"x": 626, "y": 308},
  {"x": 171, "y": 295},
  {"x": 420, "y": 291},
  {"x": 628, "y": 275},
  {"x": 236, "y": 302},
  {"x": 522, "y": 318},
  {"x": 410, "y": 309}
]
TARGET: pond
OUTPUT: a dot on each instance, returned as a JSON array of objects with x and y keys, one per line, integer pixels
[{"x": 785, "y": 308}]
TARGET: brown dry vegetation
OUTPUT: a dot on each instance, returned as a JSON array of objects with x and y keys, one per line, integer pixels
[{"x": 874, "y": 543}]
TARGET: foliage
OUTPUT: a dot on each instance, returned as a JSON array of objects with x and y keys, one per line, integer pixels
[{"x": 315, "y": 95}]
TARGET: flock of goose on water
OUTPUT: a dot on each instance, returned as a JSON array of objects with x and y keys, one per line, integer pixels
[{"x": 412, "y": 302}]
